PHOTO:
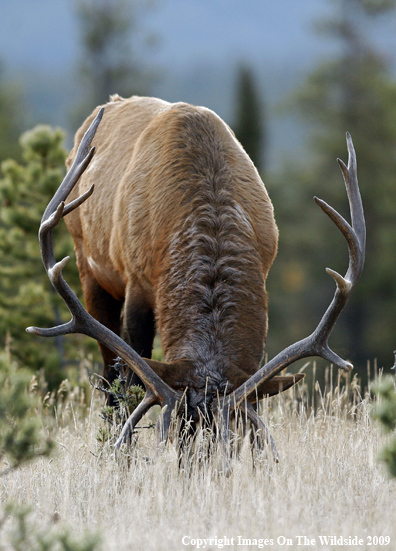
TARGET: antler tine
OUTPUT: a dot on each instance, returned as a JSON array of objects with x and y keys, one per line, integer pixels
[
  {"x": 148, "y": 401},
  {"x": 317, "y": 343},
  {"x": 157, "y": 390},
  {"x": 355, "y": 200},
  {"x": 79, "y": 201},
  {"x": 261, "y": 427},
  {"x": 83, "y": 158}
]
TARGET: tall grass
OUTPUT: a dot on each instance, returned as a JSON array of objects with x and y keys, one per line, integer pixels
[{"x": 328, "y": 481}]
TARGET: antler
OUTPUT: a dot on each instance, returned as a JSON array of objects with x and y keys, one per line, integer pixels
[
  {"x": 157, "y": 391},
  {"x": 317, "y": 343}
]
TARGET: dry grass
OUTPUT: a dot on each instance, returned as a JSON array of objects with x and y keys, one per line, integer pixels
[{"x": 328, "y": 482}]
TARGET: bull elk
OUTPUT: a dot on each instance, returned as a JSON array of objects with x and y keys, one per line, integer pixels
[{"x": 181, "y": 234}]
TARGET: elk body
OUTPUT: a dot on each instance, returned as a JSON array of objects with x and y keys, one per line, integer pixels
[{"x": 180, "y": 234}]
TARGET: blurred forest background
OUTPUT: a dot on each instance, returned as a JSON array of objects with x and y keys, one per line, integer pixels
[{"x": 289, "y": 77}]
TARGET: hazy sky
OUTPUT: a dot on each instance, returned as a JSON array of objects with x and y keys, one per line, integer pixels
[{"x": 43, "y": 33}]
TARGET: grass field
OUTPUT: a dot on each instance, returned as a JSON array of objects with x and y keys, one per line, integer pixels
[{"x": 328, "y": 482}]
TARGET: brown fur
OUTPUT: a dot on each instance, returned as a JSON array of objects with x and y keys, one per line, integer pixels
[{"x": 180, "y": 229}]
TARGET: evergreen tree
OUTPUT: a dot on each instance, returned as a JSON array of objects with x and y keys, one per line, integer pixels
[
  {"x": 248, "y": 125},
  {"x": 26, "y": 296},
  {"x": 354, "y": 92},
  {"x": 384, "y": 411}
]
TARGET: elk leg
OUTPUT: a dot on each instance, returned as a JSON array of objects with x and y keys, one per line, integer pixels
[
  {"x": 107, "y": 310},
  {"x": 138, "y": 326}
]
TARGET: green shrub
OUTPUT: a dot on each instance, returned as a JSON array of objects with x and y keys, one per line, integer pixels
[{"x": 385, "y": 412}]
